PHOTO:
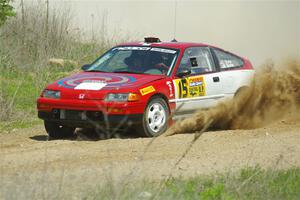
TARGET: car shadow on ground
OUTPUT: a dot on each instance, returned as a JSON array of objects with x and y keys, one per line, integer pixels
[{"x": 90, "y": 135}]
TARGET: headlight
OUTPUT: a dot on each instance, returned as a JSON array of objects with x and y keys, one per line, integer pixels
[
  {"x": 122, "y": 97},
  {"x": 51, "y": 94}
]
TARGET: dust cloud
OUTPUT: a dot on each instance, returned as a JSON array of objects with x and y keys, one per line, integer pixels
[{"x": 273, "y": 94}]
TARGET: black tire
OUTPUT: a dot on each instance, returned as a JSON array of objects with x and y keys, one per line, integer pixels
[
  {"x": 57, "y": 131},
  {"x": 160, "y": 111}
]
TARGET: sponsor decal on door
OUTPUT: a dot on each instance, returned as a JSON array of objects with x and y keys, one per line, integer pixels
[{"x": 189, "y": 87}]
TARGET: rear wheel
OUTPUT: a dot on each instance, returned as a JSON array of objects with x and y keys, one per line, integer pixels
[
  {"x": 57, "y": 131},
  {"x": 155, "y": 118}
]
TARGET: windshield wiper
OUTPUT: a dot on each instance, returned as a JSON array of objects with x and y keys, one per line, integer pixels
[
  {"x": 94, "y": 70},
  {"x": 129, "y": 72}
]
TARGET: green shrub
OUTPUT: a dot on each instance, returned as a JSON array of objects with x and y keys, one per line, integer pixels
[{"x": 6, "y": 10}]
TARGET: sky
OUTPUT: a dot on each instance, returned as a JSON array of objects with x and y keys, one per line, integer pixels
[{"x": 259, "y": 30}]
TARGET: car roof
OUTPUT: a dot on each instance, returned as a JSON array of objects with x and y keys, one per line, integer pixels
[{"x": 173, "y": 45}]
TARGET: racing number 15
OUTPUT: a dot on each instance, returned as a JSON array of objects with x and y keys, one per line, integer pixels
[{"x": 183, "y": 89}]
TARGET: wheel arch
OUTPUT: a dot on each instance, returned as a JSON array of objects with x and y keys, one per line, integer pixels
[
  {"x": 160, "y": 95},
  {"x": 241, "y": 89}
]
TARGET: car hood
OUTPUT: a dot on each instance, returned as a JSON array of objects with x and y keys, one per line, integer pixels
[{"x": 95, "y": 85}]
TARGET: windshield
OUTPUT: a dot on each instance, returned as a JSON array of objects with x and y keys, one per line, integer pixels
[{"x": 133, "y": 59}]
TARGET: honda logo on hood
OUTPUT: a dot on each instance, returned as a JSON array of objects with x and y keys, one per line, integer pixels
[{"x": 81, "y": 96}]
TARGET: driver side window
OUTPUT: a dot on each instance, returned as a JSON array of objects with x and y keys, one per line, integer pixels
[{"x": 198, "y": 60}]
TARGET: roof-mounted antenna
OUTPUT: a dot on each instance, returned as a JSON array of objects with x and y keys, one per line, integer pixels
[{"x": 175, "y": 21}]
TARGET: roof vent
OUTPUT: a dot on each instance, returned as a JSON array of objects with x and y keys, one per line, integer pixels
[{"x": 151, "y": 40}]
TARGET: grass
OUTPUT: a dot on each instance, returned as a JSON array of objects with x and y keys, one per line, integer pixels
[
  {"x": 27, "y": 44},
  {"x": 19, "y": 91},
  {"x": 248, "y": 183}
]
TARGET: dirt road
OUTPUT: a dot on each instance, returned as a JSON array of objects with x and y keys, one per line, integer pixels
[{"x": 33, "y": 167}]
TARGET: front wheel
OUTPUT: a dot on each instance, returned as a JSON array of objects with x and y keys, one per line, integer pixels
[
  {"x": 155, "y": 118},
  {"x": 57, "y": 131}
]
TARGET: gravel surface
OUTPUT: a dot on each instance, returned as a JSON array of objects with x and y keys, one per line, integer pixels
[{"x": 34, "y": 167}]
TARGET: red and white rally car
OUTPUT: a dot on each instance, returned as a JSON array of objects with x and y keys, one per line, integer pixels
[{"x": 143, "y": 85}]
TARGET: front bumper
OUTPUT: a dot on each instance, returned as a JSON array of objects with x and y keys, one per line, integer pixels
[
  {"x": 91, "y": 119},
  {"x": 90, "y": 113}
]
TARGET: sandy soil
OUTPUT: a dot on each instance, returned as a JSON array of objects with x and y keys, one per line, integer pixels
[{"x": 33, "y": 167}]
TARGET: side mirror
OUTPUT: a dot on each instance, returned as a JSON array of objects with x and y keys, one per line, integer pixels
[
  {"x": 85, "y": 67},
  {"x": 183, "y": 72}
]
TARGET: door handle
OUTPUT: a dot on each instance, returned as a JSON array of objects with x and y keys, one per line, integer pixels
[{"x": 216, "y": 79}]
